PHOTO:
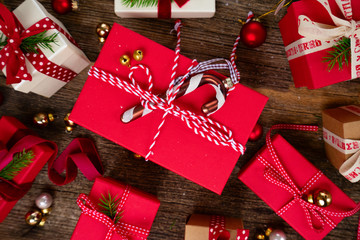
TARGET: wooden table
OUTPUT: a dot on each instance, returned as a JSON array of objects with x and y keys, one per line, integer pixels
[{"x": 264, "y": 69}]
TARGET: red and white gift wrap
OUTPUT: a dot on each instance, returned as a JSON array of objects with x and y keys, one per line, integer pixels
[
  {"x": 310, "y": 29},
  {"x": 137, "y": 210},
  {"x": 282, "y": 178},
  {"x": 168, "y": 9},
  {"x": 217, "y": 230},
  {"x": 13, "y": 134},
  {"x": 46, "y": 72},
  {"x": 201, "y": 161}
]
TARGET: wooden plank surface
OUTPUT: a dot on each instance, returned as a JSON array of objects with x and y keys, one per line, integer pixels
[{"x": 264, "y": 69}]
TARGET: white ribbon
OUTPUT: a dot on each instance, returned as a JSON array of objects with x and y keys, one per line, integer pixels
[{"x": 347, "y": 27}]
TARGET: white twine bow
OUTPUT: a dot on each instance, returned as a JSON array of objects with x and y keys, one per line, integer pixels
[{"x": 347, "y": 27}]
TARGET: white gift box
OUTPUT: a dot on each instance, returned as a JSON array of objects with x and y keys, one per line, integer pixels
[
  {"x": 65, "y": 53},
  {"x": 192, "y": 9}
]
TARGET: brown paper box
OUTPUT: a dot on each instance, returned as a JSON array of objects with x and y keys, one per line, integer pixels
[
  {"x": 197, "y": 228},
  {"x": 346, "y": 125}
]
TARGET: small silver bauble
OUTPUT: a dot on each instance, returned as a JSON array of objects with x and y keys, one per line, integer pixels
[
  {"x": 44, "y": 201},
  {"x": 277, "y": 235}
]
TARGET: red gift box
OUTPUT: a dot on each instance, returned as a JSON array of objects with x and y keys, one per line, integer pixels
[
  {"x": 310, "y": 70},
  {"x": 256, "y": 176},
  {"x": 178, "y": 148},
  {"x": 10, "y": 126},
  {"x": 139, "y": 209}
]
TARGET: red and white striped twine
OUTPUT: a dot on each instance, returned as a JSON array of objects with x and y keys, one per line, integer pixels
[
  {"x": 278, "y": 176},
  {"x": 122, "y": 229},
  {"x": 203, "y": 126}
]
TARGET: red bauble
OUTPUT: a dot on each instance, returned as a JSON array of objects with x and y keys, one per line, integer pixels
[
  {"x": 62, "y": 6},
  {"x": 256, "y": 133},
  {"x": 253, "y": 34}
]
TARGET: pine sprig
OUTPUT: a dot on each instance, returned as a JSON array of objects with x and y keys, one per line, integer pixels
[
  {"x": 30, "y": 44},
  {"x": 140, "y": 3},
  {"x": 20, "y": 161},
  {"x": 339, "y": 54},
  {"x": 109, "y": 207}
]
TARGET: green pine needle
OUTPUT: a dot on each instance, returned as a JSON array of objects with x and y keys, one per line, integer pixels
[
  {"x": 339, "y": 54},
  {"x": 20, "y": 161},
  {"x": 109, "y": 207},
  {"x": 140, "y": 3},
  {"x": 30, "y": 44}
]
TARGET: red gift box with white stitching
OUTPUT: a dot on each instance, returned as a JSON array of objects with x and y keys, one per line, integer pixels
[
  {"x": 42, "y": 152},
  {"x": 301, "y": 171},
  {"x": 178, "y": 148},
  {"x": 139, "y": 210},
  {"x": 310, "y": 70}
]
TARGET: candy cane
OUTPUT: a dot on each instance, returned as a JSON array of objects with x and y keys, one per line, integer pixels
[{"x": 188, "y": 86}]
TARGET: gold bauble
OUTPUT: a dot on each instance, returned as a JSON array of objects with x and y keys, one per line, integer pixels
[
  {"x": 260, "y": 236},
  {"x": 137, "y": 156},
  {"x": 46, "y": 211},
  {"x": 102, "y": 39},
  {"x": 102, "y": 30},
  {"x": 268, "y": 231},
  {"x": 69, "y": 129},
  {"x": 322, "y": 198},
  {"x": 310, "y": 198},
  {"x": 43, "y": 119},
  {"x": 67, "y": 121},
  {"x": 42, "y": 221},
  {"x": 33, "y": 218},
  {"x": 125, "y": 60},
  {"x": 138, "y": 55}
]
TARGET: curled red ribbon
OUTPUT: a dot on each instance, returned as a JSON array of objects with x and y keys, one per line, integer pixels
[{"x": 164, "y": 7}]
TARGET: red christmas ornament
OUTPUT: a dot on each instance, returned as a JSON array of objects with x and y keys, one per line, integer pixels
[
  {"x": 64, "y": 6},
  {"x": 256, "y": 133},
  {"x": 253, "y": 34}
]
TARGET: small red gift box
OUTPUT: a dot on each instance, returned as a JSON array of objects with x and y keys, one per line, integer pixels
[
  {"x": 306, "y": 55},
  {"x": 137, "y": 209},
  {"x": 177, "y": 148},
  {"x": 263, "y": 176},
  {"x": 10, "y": 134}
]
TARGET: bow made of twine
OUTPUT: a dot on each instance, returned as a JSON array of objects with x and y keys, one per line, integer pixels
[
  {"x": 203, "y": 126},
  {"x": 278, "y": 176},
  {"x": 347, "y": 27},
  {"x": 123, "y": 229}
]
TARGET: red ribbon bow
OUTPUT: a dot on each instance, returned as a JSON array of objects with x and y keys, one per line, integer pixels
[
  {"x": 121, "y": 228},
  {"x": 278, "y": 176},
  {"x": 164, "y": 7},
  {"x": 217, "y": 230}
]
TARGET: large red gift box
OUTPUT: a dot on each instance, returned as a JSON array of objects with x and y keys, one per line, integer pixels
[
  {"x": 9, "y": 126},
  {"x": 139, "y": 210},
  {"x": 301, "y": 171},
  {"x": 178, "y": 149},
  {"x": 310, "y": 70}
]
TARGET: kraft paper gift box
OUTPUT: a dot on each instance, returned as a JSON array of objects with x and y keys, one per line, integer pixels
[
  {"x": 139, "y": 210},
  {"x": 175, "y": 9},
  {"x": 300, "y": 171},
  {"x": 66, "y": 54},
  {"x": 199, "y": 227},
  {"x": 310, "y": 70},
  {"x": 177, "y": 148},
  {"x": 341, "y": 133},
  {"x": 9, "y": 127}
]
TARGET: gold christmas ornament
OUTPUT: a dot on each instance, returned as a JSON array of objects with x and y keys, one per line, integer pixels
[
  {"x": 322, "y": 198},
  {"x": 125, "y": 60},
  {"x": 102, "y": 30},
  {"x": 137, "y": 156},
  {"x": 310, "y": 198},
  {"x": 69, "y": 125},
  {"x": 46, "y": 211},
  {"x": 268, "y": 231},
  {"x": 260, "y": 236},
  {"x": 33, "y": 218},
  {"x": 138, "y": 55},
  {"x": 42, "y": 221},
  {"x": 43, "y": 119}
]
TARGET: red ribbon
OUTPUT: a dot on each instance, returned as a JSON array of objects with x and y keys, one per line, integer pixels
[
  {"x": 218, "y": 231},
  {"x": 164, "y": 7},
  {"x": 80, "y": 153},
  {"x": 12, "y": 56},
  {"x": 278, "y": 176},
  {"x": 124, "y": 230}
]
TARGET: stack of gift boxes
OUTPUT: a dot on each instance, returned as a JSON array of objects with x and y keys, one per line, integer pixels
[{"x": 278, "y": 173}]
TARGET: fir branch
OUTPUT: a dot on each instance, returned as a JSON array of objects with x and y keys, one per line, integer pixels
[
  {"x": 339, "y": 54},
  {"x": 140, "y": 3},
  {"x": 109, "y": 207},
  {"x": 30, "y": 44},
  {"x": 20, "y": 161}
]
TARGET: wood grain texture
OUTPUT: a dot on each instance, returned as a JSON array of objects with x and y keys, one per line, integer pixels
[{"x": 264, "y": 69}]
